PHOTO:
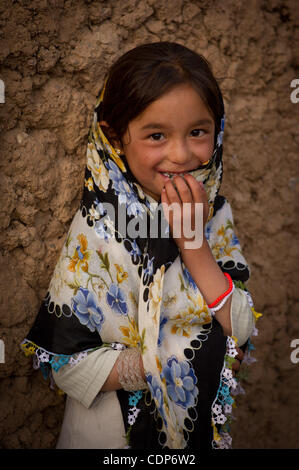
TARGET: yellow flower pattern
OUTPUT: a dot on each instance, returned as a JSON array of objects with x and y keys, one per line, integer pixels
[
  {"x": 110, "y": 149},
  {"x": 155, "y": 290},
  {"x": 97, "y": 169},
  {"x": 89, "y": 184},
  {"x": 131, "y": 336},
  {"x": 81, "y": 255},
  {"x": 197, "y": 314},
  {"x": 121, "y": 274},
  {"x": 226, "y": 241}
]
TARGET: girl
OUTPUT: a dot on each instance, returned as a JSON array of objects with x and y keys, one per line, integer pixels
[{"x": 141, "y": 330}]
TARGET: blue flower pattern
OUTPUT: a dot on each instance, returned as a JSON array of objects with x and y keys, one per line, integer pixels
[
  {"x": 117, "y": 300},
  {"x": 181, "y": 382},
  {"x": 124, "y": 190},
  {"x": 235, "y": 240},
  {"x": 85, "y": 308},
  {"x": 157, "y": 394},
  {"x": 189, "y": 279},
  {"x": 220, "y": 135},
  {"x": 135, "y": 251},
  {"x": 102, "y": 231},
  {"x": 163, "y": 321},
  {"x": 208, "y": 230},
  {"x": 149, "y": 269}
]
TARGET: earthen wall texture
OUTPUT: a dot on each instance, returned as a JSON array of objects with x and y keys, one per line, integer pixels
[{"x": 53, "y": 57}]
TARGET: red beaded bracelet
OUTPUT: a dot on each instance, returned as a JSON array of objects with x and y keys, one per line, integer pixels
[{"x": 225, "y": 293}]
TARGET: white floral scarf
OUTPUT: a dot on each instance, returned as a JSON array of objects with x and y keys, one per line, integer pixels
[{"x": 112, "y": 289}]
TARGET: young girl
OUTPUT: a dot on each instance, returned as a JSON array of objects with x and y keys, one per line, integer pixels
[{"x": 140, "y": 331}]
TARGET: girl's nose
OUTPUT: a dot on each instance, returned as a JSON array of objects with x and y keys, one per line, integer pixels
[{"x": 179, "y": 153}]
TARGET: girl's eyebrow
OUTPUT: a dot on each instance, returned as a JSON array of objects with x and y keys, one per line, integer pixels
[
  {"x": 157, "y": 125},
  {"x": 153, "y": 125}
]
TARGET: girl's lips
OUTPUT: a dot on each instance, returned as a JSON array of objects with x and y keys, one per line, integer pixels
[{"x": 175, "y": 172}]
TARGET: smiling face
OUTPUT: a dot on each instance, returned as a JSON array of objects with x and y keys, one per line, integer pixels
[{"x": 174, "y": 134}]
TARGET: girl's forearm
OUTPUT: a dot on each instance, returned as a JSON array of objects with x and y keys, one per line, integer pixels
[
  {"x": 112, "y": 382},
  {"x": 209, "y": 279}
]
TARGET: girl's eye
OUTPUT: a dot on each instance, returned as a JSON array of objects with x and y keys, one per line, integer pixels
[
  {"x": 156, "y": 136},
  {"x": 196, "y": 132}
]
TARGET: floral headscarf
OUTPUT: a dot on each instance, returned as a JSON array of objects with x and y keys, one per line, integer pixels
[{"x": 110, "y": 289}]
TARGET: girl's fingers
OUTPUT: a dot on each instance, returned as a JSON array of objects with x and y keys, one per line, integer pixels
[
  {"x": 186, "y": 193},
  {"x": 172, "y": 204},
  {"x": 165, "y": 204},
  {"x": 199, "y": 194},
  {"x": 171, "y": 192},
  {"x": 183, "y": 189},
  {"x": 196, "y": 188},
  {"x": 164, "y": 198}
]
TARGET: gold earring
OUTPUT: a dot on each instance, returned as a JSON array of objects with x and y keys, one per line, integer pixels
[{"x": 118, "y": 151}]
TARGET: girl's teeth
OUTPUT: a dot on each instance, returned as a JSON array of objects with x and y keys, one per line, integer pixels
[{"x": 170, "y": 175}]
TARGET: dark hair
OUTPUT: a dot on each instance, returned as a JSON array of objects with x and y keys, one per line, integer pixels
[{"x": 146, "y": 72}]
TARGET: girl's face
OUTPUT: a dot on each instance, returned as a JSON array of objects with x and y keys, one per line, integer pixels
[{"x": 174, "y": 134}]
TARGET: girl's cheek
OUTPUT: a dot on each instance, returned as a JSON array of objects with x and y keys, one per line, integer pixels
[{"x": 154, "y": 155}]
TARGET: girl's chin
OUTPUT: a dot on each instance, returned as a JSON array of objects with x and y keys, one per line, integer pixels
[{"x": 155, "y": 195}]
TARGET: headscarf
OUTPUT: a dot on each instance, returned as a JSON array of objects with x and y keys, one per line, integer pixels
[{"x": 110, "y": 289}]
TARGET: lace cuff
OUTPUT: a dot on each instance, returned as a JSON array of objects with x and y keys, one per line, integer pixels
[{"x": 129, "y": 370}]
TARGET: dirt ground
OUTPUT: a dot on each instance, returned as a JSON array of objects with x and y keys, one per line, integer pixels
[{"x": 53, "y": 57}]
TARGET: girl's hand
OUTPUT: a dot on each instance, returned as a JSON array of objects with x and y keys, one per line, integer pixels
[
  {"x": 187, "y": 222},
  {"x": 199, "y": 260}
]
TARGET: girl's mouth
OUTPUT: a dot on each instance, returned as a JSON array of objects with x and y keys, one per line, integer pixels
[{"x": 168, "y": 175}]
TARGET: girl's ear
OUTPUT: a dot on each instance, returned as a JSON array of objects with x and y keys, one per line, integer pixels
[{"x": 111, "y": 136}]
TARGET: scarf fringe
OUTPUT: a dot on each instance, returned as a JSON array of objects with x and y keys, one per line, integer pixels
[
  {"x": 44, "y": 360},
  {"x": 230, "y": 387}
]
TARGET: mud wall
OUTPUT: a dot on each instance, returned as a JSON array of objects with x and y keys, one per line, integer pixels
[{"x": 53, "y": 56}]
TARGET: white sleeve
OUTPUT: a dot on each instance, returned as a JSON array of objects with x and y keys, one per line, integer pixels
[
  {"x": 84, "y": 380},
  {"x": 241, "y": 315}
]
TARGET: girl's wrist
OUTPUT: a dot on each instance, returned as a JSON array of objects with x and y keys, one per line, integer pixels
[
  {"x": 209, "y": 279},
  {"x": 191, "y": 252}
]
